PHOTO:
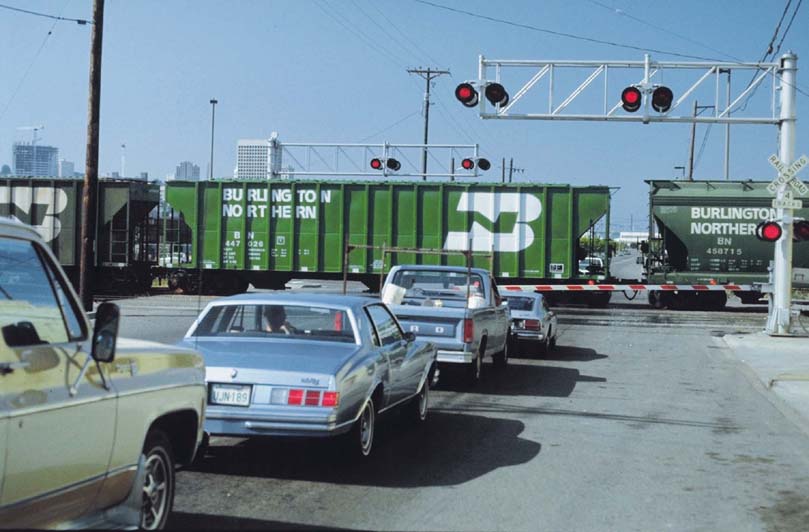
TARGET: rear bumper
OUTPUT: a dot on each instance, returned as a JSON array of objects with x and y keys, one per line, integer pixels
[
  {"x": 528, "y": 335},
  {"x": 455, "y": 357},
  {"x": 223, "y": 423}
]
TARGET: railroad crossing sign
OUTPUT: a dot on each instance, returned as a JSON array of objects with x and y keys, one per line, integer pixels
[{"x": 787, "y": 175}]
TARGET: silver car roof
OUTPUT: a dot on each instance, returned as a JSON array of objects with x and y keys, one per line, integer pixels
[{"x": 306, "y": 298}]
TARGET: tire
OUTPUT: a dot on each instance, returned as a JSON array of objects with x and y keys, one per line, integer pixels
[
  {"x": 361, "y": 437},
  {"x": 158, "y": 484},
  {"x": 544, "y": 346},
  {"x": 501, "y": 358},
  {"x": 419, "y": 405},
  {"x": 552, "y": 343},
  {"x": 474, "y": 370}
]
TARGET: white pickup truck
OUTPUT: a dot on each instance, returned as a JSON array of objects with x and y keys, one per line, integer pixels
[{"x": 459, "y": 310}]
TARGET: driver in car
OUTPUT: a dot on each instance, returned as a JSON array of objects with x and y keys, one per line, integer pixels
[{"x": 275, "y": 320}]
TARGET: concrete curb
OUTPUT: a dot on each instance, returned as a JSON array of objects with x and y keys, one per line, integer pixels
[{"x": 778, "y": 368}]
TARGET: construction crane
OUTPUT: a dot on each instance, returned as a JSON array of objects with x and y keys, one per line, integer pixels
[{"x": 34, "y": 129}]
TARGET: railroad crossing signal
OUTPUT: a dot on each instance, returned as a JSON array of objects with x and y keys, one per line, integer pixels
[
  {"x": 380, "y": 164},
  {"x": 787, "y": 175},
  {"x": 632, "y": 98},
  {"x": 469, "y": 164}
]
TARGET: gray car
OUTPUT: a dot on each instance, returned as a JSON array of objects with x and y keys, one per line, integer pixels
[
  {"x": 308, "y": 365},
  {"x": 533, "y": 323}
]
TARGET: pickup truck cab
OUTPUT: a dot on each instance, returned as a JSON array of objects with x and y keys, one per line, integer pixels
[
  {"x": 91, "y": 426},
  {"x": 457, "y": 309}
]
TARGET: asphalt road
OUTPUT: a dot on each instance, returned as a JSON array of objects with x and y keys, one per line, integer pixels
[{"x": 638, "y": 421}]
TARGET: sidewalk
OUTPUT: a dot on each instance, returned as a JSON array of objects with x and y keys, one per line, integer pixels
[{"x": 780, "y": 366}]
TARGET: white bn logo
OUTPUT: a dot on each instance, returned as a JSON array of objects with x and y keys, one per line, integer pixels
[{"x": 491, "y": 205}]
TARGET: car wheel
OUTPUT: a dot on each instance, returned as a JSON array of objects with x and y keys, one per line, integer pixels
[
  {"x": 158, "y": 484},
  {"x": 543, "y": 346},
  {"x": 418, "y": 405},
  {"x": 362, "y": 435},
  {"x": 501, "y": 358},
  {"x": 474, "y": 370}
]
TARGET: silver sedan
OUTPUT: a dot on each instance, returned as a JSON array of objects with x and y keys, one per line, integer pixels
[
  {"x": 532, "y": 322},
  {"x": 308, "y": 365}
]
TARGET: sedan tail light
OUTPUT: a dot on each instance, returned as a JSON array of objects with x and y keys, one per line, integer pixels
[
  {"x": 295, "y": 397},
  {"x": 330, "y": 399},
  {"x": 468, "y": 330},
  {"x": 533, "y": 325},
  {"x": 298, "y": 397}
]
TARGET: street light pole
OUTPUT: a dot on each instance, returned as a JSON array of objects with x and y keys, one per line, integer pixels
[{"x": 213, "y": 120}]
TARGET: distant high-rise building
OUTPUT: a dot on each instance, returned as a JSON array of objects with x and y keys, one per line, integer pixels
[
  {"x": 187, "y": 171},
  {"x": 66, "y": 168},
  {"x": 32, "y": 160},
  {"x": 253, "y": 159},
  {"x": 144, "y": 176}
]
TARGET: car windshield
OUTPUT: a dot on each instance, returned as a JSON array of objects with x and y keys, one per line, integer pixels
[
  {"x": 520, "y": 303},
  {"x": 438, "y": 284},
  {"x": 277, "y": 321}
]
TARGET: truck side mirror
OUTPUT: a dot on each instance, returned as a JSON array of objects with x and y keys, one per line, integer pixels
[{"x": 105, "y": 332}]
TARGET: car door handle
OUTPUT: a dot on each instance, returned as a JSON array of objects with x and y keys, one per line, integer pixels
[{"x": 9, "y": 367}]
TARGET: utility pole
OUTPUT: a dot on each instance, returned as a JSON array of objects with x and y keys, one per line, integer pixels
[
  {"x": 213, "y": 103},
  {"x": 691, "y": 149},
  {"x": 503, "y": 167},
  {"x": 428, "y": 74},
  {"x": 88, "y": 213}
]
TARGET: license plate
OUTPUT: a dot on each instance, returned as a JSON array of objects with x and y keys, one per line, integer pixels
[{"x": 229, "y": 394}]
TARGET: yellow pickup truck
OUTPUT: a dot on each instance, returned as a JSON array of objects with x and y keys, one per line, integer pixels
[{"x": 92, "y": 427}]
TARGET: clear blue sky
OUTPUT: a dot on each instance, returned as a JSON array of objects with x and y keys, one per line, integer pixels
[{"x": 335, "y": 71}]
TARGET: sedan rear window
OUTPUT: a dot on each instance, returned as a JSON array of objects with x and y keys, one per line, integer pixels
[
  {"x": 277, "y": 321},
  {"x": 520, "y": 303}
]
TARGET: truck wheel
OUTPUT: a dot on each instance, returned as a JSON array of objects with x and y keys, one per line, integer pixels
[
  {"x": 418, "y": 405},
  {"x": 501, "y": 358},
  {"x": 474, "y": 370},
  {"x": 158, "y": 485},
  {"x": 361, "y": 437}
]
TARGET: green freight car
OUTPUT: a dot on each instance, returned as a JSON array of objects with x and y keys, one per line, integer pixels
[
  {"x": 124, "y": 230},
  {"x": 266, "y": 233},
  {"x": 707, "y": 235}
]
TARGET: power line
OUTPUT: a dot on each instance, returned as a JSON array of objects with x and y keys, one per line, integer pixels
[
  {"x": 791, "y": 20},
  {"x": 31, "y": 64},
  {"x": 560, "y": 33},
  {"x": 414, "y": 113},
  {"x": 622, "y": 13},
  {"x": 57, "y": 18}
]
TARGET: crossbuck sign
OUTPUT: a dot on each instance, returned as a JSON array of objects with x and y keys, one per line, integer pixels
[{"x": 787, "y": 175}]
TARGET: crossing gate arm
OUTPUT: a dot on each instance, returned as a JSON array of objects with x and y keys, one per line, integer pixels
[{"x": 625, "y": 287}]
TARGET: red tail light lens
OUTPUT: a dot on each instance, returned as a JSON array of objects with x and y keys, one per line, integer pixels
[
  {"x": 468, "y": 330},
  {"x": 330, "y": 399},
  {"x": 295, "y": 397},
  {"x": 312, "y": 398},
  {"x": 533, "y": 325}
]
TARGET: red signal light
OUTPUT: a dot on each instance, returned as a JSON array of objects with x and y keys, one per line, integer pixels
[
  {"x": 376, "y": 164},
  {"x": 768, "y": 231},
  {"x": 467, "y": 164},
  {"x": 800, "y": 231},
  {"x": 466, "y": 94},
  {"x": 661, "y": 99},
  {"x": 631, "y": 99}
]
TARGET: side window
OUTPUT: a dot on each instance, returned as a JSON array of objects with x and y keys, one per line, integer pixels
[
  {"x": 70, "y": 312},
  {"x": 30, "y": 313},
  {"x": 385, "y": 325}
]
